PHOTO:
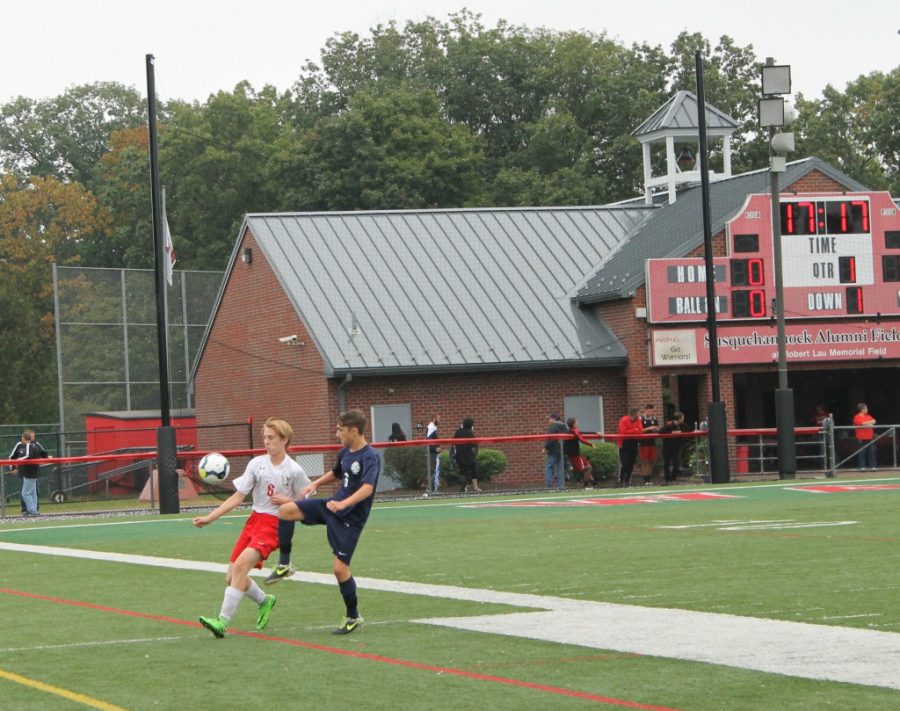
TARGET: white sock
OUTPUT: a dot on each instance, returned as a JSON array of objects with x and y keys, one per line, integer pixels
[
  {"x": 255, "y": 593},
  {"x": 230, "y": 603}
]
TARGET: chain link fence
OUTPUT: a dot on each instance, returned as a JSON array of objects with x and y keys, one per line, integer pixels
[{"x": 106, "y": 340}]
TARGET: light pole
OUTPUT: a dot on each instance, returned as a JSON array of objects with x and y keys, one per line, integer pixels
[
  {"x": 716, "y": 415},
  {"x": 774, "y": 114}
]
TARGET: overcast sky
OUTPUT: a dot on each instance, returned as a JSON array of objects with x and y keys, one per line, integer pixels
[{"x": 203, "y": 47}]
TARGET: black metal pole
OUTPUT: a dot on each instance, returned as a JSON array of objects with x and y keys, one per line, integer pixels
[
  {"x": 718, "y": 424},
  {"x": 165, "y": 435},
  {"x": 784, "y": 396}
]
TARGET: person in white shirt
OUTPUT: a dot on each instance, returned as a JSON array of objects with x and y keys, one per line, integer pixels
[
  {"x": 268, "y": 475},
  {"x": 434, "y": 450}
]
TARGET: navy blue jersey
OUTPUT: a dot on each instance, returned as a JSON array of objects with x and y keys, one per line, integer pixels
[{"x": 355, "y": 469}]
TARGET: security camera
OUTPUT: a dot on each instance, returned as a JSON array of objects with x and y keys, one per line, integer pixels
[{"x": 289, "y": 339}]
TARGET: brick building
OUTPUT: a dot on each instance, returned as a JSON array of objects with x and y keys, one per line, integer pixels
[{"x": 509, "y": 314}]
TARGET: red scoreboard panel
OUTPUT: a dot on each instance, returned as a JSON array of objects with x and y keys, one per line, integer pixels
[{"x": 840, "y": 257}]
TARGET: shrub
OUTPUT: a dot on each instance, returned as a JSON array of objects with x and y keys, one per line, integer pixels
[
  {"x": 488, "y": 464},
  {"x": 408, "y": 464},
  {"x": 604, "y": 458}
]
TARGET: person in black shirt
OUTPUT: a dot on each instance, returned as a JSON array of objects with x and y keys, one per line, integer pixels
[
  {"x": 29, "y": 448},
  {"x": 650, "y": 425},
  {"x": 671, "y": 447},
  {"x": 466, "y": 455},
  {"x": 397, "y": 433}
]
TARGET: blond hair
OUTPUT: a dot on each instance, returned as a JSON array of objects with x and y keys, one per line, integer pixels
[{"x": 282, "y": 429}]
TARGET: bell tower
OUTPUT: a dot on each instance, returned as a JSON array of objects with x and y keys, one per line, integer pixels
[{"x": 675, "y": 122}]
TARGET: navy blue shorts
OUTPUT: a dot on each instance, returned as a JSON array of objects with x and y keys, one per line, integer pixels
[{"x": 342, "y": 537}]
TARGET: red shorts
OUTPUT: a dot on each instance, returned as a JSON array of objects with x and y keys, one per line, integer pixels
[
  {"x": 579, "y": 463},
  {"x": 260, "y": 533},
  {"x": 648, "y": 454}
]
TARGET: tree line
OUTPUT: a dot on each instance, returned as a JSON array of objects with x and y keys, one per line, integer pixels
[{"x": 433, "y": 114}]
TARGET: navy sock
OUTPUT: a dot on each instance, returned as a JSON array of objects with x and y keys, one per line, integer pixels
[
  {"x": 348, "y": 592},
  {"x": 285, "y": 541}
]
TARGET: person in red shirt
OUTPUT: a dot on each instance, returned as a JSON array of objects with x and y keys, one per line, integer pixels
[
  {"x": 865, "y": 434},
  {"x": 572, "y": 450},
  {"x": 629, "y": 426}
]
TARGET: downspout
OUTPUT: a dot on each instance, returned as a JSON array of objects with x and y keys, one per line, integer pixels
[{"x": 342, "y": 395}]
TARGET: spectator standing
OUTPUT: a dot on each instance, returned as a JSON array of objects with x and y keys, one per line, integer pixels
[
  {"x": 629, "y": 426},
  {"x": 29, "y": 448},
  {"x": 466, "y": 454},
  {"x": 647, "y": 448},
  {"x": 397, "y": 433},
  {"x": 572, "y": 450},
  {"x": 434, "y": 450},
  {"x": 820, "y": 415},
  {"x": 555, "y": 468},
  {"x": 671, "y": 447},
  {"x": 865, "y": 434}
]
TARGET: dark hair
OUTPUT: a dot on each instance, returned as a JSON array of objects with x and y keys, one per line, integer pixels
[
  {"x": 353, "y": 418},
  {"x": 397, "y": 431},
  {"x": 571, "y": 421},
  {"x": 468, "y": 423},
  {"x": 649, "y": 406}
]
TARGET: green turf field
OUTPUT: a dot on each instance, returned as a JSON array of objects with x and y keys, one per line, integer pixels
[{"x": 496, "y": 579}]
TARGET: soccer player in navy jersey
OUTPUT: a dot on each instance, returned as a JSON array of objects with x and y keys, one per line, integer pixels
[{"x": 344, "y": 515}]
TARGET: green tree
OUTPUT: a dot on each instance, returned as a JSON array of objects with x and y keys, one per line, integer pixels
[
  {"x": 65, "y": 137},
  {"x": 215, "y": 164},
  {"x": 856, "y": 130},
  {"x": 122, "y": 187},
  {"x": 389, "y": 149}
]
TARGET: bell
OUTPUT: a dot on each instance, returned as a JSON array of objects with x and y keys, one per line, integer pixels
[{"x": 685, "y": 159}]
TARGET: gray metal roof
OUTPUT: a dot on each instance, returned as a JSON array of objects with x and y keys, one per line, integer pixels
[
  {"x": 677, "y": 229},
  {"x": 679, "y": 116},
  {"x": 435, "y": 290},
  {"x": 139, "y": 414}
]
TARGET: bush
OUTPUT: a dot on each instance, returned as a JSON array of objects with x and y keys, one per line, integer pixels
[
  {"x": 604, "y": 458},
  {"x": 488, "y": 464},
  {"x": 408, "y": 464}
]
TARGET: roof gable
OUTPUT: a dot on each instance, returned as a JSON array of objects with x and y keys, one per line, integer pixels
[{"x": 441, "y": 289}]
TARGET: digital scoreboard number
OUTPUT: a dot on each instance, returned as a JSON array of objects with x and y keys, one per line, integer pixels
[{"x": 840, "y": 257}]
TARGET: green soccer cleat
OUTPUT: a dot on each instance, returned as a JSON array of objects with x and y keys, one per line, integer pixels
[
  {"x": 265, "y": 607},
  {"x": 280, "y": 573},
  {"x": 348, "y": 625},
  {"x": 214, "y": 625}
]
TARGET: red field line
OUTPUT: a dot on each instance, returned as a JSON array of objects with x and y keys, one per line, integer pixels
[{"x": 449, "y": 671}]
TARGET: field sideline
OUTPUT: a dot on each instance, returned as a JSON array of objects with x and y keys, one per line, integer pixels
[{"x": 505, "y": 610}]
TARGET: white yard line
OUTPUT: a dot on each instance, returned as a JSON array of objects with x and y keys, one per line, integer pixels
[
  {"x": 796, "y": 649},
  {"x": 99, "y": 643}
]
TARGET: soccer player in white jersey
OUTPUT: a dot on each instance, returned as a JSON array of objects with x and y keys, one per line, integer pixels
[{"x": 268, "y": 475}]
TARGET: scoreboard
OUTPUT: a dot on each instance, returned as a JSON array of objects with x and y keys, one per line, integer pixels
[{"x": 840, "y": 259}]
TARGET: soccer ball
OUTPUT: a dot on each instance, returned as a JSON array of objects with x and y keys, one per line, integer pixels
[{"x": 214, "y": 467}]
